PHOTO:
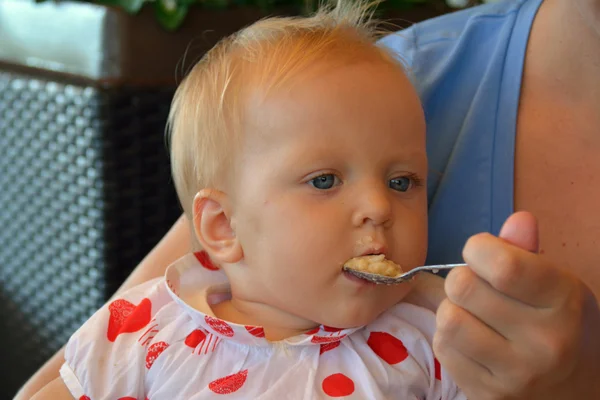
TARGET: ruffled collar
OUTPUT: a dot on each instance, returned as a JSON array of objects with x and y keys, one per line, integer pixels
[{"x": 195, "y": 275}]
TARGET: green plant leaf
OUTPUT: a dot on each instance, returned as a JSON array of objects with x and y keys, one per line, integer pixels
[{"x": 170, "y": 13}]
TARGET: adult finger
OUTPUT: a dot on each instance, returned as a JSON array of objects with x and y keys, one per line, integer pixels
[
  {"x": 462, "y": 332},
  {"x": 521, "y": 230},
  {"x": 471, "y": 378},
  {"x": 503, "y": 314},
  {"x": 515, "y": 272}
]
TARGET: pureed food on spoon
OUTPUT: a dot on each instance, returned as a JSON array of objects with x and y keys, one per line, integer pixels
[{"x": 374, "y": 264}]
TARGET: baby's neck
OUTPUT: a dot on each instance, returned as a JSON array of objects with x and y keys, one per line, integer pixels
[{"x": 277, "y": 324}]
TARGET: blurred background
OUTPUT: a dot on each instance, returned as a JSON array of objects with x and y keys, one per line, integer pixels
[{"x": 85, "y": 187}]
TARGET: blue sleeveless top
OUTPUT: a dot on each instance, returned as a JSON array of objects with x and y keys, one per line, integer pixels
[{"x": 467, "y": 67}]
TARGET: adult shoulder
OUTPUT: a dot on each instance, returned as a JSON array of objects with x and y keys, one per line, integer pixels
[{"x": 459, "y": 39}]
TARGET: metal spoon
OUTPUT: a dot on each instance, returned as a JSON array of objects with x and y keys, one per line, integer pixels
[{"x": 389, "y": 280}]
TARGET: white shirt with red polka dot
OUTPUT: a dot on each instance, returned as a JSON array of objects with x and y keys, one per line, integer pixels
[{"x": 149, "y": 344}]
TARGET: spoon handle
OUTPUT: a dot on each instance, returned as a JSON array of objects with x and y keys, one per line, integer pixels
[{"x": 432, "y": 268}]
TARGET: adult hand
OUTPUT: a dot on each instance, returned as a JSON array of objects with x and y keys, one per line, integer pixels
[{"x": 514, "y": 326}]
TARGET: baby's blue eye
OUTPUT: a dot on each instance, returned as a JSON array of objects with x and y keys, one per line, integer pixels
[
  {"x": 401, "y": 184},
  {"x": 324, "y": 182}
]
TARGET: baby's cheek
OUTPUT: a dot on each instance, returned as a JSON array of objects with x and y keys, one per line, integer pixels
[
  {"x": 396, "y": 293},
  {"x": 411, "y": 248}
]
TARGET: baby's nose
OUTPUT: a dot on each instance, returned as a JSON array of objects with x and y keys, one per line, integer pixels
[{"x": 374, "y": 207}]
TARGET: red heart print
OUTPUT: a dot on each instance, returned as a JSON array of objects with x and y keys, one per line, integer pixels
[
  {"x": 388, "y": 347},
  {"x": 154, "y": 351},
  {"x": 438, "y": 369},
  {"x": 126, "y": 317},
  {"x": 204, "y": 259},
  {"x": 195, "y": 338},
  {"x": 326, "y": 339},
  {"x": 338, "y": 385},
  {"x": 329, "y": 346},
  {"x": 84, "y": 397},
  {"x": 219, "y": 326},
  {"x": 256, "y": 331},
  {"x": 229, "y": 384},
  {"x": 126, "y": 398}
]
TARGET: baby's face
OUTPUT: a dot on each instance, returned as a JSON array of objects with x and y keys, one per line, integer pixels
[{"x": 332, "y": 169}]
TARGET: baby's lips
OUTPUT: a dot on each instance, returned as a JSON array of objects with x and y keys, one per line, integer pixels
[{"x": 373, "y": 251}]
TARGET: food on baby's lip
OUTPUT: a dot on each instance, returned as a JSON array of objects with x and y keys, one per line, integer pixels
[
  {"x": 364, "y": 241},
  {"x": 374, "y": 264}
]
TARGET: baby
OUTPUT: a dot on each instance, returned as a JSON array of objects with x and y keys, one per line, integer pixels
[{"x": 297, "y": 144}]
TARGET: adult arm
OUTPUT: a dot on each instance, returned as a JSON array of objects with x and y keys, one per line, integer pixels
[
  {"x": 515, "y": 326},
  {"x": 55, "y": 390},
  {"x": 175, "y": 244}
]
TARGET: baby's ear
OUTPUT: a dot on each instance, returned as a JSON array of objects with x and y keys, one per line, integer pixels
[{"x": 212, "y": 226}]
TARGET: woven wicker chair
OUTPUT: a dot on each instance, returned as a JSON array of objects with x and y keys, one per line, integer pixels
[{"x": 85, "y": 192}]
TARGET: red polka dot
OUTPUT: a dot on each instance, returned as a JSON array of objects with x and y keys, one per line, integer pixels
[
  {"x": 438, "y": 369},
  {"x": 256, "y": 331},
  {"x": 329, "y": 346},
  {"x": 219, "y": 326},
  {"x": 338, "y": 385},
  {"x": 126, "y": 317},
  {"x": 126, "y": 398},
  {"x": 84, "y": 397},
  {"x": 326, "y": 339},
  {"x": 195, "y": 338},
  {"x": 154, "y": 351},
  {"x": 204, "y": 259},
  {"x": 229, "y": 384},
  {"x": 331, "y": 329},
  {"x": 312, "y": 331},
  {"x": 388, "y": 347}
]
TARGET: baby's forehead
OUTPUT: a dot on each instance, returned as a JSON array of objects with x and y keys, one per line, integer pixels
[
  {"x": 269, "y": 81},
  {"x": 352, "y": 99}
]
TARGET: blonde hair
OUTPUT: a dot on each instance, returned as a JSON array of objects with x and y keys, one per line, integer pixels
[{"x": 207, "y": 110}]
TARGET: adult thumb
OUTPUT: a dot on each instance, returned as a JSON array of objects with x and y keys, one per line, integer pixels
[{"x": 521, "y": 230}]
